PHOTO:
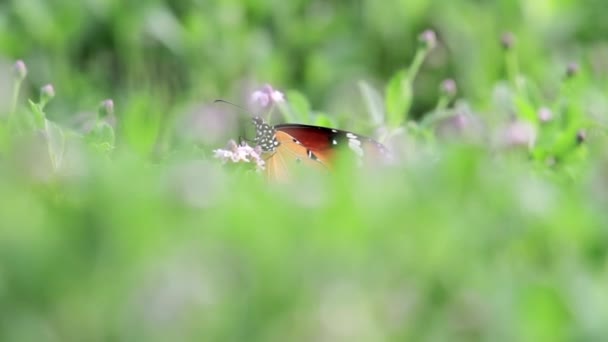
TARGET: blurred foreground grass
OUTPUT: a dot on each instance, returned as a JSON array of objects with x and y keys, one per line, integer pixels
[
  {"x": 463, "y": 248},
  {"x": 120, "y": 225}
]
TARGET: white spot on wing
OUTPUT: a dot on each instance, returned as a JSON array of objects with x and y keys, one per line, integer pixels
[
  {"x": 351, "y": 136},
  {"x": 334, "y": 142},
  {"x": 355, "y": 145}
]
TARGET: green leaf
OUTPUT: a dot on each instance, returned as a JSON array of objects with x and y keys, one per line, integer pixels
[
  {"x": 373, "y": 101},
  {"x": 38, "y": 114},
  {"x": 543, "y": 314},
  {"x": 526, "y": 110},
  {"x": 323, "y": 120},
  {"x": 102, "y": 136},
  {"x": 141, "y": 122},
  {"x": 398, "y": 98},
  {"x": 56, "y": 143},
  {"x": 299, "y": 105},
  {"x": 106, "y": 133}
]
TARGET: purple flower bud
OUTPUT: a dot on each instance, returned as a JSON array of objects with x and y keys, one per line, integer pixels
[
  {"x": 106, "y": 108},
  {"x": 460, "y": 126},
  {"x": 545, "y": 114},
  {"x": 581, "y": 136},
  {"x": 448, "y": 87},
  {"x": 20, "y": 70},
  {"x": 507, "y": 40},
  {"x": 47, "y": 92},
  {"x": 572, "y": 69},
  {"x": 428, "y": 38}
]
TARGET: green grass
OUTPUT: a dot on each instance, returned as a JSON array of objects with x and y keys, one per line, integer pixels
[{"x": 117, "y": 223}]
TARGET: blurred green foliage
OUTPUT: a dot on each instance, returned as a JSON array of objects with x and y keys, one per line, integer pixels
[
  {"x": 116, "y": 223},
  {"x": 207, "y": 49}
]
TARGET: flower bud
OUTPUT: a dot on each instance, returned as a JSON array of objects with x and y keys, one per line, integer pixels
[
  {"x": 428, "y": 38},
  {"x": 47, "y": 92},
  {"x": 507, "y": 40},
  {"x": 106, "y": 108},
  {"x": 572, "y": 69},
  {"x": 581, "y": 136},
  {"x": 20, "y": 70},
  {"x": 449, "y": 88}
]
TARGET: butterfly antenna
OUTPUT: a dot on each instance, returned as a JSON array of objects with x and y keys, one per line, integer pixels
[{"x": 230, "y": 103}]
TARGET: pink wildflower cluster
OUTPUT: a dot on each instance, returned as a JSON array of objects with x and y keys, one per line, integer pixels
[
  {"x": 265, "y": 97},
  {"x": 236, "y": 153}
]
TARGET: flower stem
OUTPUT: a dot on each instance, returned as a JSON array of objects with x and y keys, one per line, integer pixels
[
  {"x": 15, "y": 99},
  {"x": 417, "y": 63}
]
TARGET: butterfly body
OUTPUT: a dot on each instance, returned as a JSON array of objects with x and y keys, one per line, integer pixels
[{"x": 286, "y": 145}]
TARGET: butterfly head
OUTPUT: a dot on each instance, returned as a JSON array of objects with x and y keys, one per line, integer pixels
[{"x": 265, "y": 135}]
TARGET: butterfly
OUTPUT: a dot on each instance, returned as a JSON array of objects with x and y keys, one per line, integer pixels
[{"x": 289, "y": 148}]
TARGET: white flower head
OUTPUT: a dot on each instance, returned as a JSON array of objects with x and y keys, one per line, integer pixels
[{"x": 242, "y": 153}]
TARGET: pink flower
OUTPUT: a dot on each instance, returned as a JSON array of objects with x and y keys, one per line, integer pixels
[
  {"x": 267, "y": 96},
  {"x": 519, "y": 133},
  {"x": 260, "y": 98},
  {"x": 544, "y": 114}
]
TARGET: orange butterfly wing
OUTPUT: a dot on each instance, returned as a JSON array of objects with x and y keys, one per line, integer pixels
[
  {"x": 290, "y": 158},
  {"x": 325, "y": 142}
]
